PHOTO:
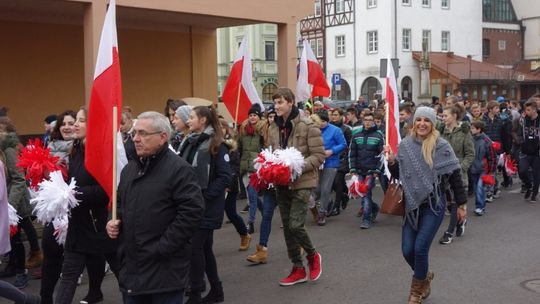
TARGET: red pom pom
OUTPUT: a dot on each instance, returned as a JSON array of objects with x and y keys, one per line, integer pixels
[
  {"x": 363, "y": 188},
  {"x": 13, "y": 229},
  {"x": 488, "y": 179},
  {"x": 256, "y": 182},
  {"x": 496, "y": 146},
  {"x": 281, "y": 175},
  {"x": 37, "y": 162}
]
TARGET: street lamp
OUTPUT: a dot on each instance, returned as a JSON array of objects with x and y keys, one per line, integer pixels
[{"x": 299, "y": 49}]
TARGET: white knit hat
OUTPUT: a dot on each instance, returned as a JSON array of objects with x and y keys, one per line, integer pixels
[{"x": 426, "y": 112}]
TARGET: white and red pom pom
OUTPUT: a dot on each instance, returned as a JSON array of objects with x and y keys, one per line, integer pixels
[
  {"x": 488, "y": 179},
  {"x": 510, "y": 165},
  {"x": 279, "y": 167},
  {"x": 55, "y": 198},
  {"x": 293, "y": 159},
  {"x": 61, "y": 225},
  {"x": 37, "y": 162},
  {"x": 356, "y": 187},
  {"x": 13, "y": 219}
]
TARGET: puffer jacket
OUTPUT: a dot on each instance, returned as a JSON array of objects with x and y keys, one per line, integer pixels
[
  {"x": 461, "y": 140},
  {"x": 344, "y": 155},
  {"x": 301, "y": 133},
  {"x": 499, "y": 129},
  {"x": 18, "y": 195},
  {"x": 485, "y": 158},
  {"x": 333, "y": 140},
  {"x": 249, "y": 146},
  {"x": 366, "y": 146}
]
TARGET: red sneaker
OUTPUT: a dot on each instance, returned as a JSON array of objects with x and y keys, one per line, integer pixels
[
  {"x": 298, "y": 275},
  {"x": 315, "y": 266}
]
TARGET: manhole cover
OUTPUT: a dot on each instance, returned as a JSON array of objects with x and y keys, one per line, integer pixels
[{"x": 532, "y": 285}]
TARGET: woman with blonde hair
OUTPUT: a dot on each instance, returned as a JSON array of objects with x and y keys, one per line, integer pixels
[{"x": 427, "y": 166}]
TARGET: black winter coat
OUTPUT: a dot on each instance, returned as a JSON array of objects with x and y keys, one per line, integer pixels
[
  {"x": 218, "y": 170},
  {"x": 86, "y": 231},
  {"x": 364, "y": 151},
  {"x": 160, "y": 205}
]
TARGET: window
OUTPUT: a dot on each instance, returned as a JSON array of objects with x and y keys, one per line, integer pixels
[
  {"x": 445, "y": 41},
  {"x": 371, "y": 3},
  {"x": 340, "y": 6},
  {"x": 426, "y": 38},
  {"x": 498, "y": 11},
  {"x": 269, "y": 50},
  {"x": 340, "y": 46},
  {"x": 502, "y": 45},
  {"x": 372, "y": 42},
  {"x": 426, "y": 3},
  {"x": 485, "y": 48},
  {"x": 406, "y": 40},
  {"x": 268, "y": 91},
  {"x": 317, "y": 8},
  {"x": 406, "y": 2},
  {"x": 445, "y": 4},
  {"x": 320, "y": 46}
]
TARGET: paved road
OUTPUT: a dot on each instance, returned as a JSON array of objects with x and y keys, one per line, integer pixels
[{"x": 498, "y": 252}]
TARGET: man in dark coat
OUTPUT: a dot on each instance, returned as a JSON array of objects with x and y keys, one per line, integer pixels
[{"x": 160, "y": 207}]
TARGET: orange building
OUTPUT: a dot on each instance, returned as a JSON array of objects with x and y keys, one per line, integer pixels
[{"x": 167, "y": 49}]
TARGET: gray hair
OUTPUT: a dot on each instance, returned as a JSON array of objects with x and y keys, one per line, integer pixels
[{"x": 159, "y": 121}]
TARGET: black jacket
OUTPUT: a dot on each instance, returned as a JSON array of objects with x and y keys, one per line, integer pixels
[
  {"x": 213, "y": 175},
  {"x": 344, "y": 155},
  {"x": 160, "y": 205},
  {"x": 86, "y": 231}
]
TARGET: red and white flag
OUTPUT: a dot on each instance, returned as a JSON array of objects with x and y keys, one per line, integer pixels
[
  {"x": 392, "y": 109},
  {"x": 239, "y": 93},
  {"x": 106, "y": 93},
  {"x": 310, "y": 73}
]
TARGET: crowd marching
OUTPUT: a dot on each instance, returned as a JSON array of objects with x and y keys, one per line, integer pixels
[{"x": 187, "y": 169}]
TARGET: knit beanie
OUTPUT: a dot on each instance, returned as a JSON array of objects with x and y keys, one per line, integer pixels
[
  {"x": 255, "y": 109},
  {"x": 183, "y": 112},
  {"x": 50, "y": 118},
  {"x": 426, "y": 112}
]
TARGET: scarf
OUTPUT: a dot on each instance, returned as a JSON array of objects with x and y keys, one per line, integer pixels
[
  {"x": 285, "y": 127},
  {"x": 422, "y": 184}
]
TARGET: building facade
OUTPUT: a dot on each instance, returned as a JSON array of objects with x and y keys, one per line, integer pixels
[
  {"x": 396, "y": 29},
  {"x": 263, "y": 43}
]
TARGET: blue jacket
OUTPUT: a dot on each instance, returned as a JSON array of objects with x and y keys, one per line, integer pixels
[
  {"x": 366, "y": 146},
  {"x": 334, "y": 140}
]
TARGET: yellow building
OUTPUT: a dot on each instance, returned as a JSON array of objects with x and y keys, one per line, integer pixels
[{"x": 167, "y": 49}]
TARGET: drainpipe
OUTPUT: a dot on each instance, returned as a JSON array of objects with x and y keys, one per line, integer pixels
[
  {"x": 354, "y": 50},
  {"x": 395, "y": 28}
]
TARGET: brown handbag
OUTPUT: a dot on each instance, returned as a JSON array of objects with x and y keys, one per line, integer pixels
[{"x": 394, "y": 201}]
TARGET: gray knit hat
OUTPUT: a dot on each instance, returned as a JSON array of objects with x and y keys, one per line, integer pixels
[
  {"x": 426, "y": 112},
  {"x": 183, "y": 112}
]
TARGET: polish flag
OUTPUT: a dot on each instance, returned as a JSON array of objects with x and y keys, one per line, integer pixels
[
  {"x": 392, "y": 109},
  {"x": 239, "y": 93},
  {"x": 106, "y": 94},
  {"x": 310, "y": 73}
]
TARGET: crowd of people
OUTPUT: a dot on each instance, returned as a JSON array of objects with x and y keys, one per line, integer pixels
[{"x": 188, "y": 166}]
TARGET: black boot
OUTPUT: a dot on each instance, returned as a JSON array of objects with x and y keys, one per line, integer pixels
[
  {"x": 251, "y": 228},
  {"x": 215, "y": 295}
]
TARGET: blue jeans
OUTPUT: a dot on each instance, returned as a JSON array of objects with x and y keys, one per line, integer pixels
[
  {"x": 230, "y": 211},
  {"x": 12, "y": 293},
  {"x": 415, "y": 244},
  {"x": 173, "y": 297},
  {"x": 480, "y": 194},
  {"x": 269, "y": 205},
  {"x": 370, "y": 207},
  {"x": 254, "y": 202}
]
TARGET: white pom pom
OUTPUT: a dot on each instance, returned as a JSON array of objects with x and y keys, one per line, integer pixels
[
  {"x": 265, "y": 157},
  {"x": 14, "y": 218},
  {"x": 60, "y": 225},
  {"x": 54, "y": 198},
  {"x": 293, "y": 159}
]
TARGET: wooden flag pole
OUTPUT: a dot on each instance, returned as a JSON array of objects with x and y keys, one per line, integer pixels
[
  {"x": 237, "y": 105},
  {"x": 115, "y": 127},
  {"x": 387, "y": 125}
]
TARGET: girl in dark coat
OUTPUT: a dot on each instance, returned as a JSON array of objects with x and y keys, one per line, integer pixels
[
  {"x": 205, "y": 150},
  {"x": 87, "y": 243}
]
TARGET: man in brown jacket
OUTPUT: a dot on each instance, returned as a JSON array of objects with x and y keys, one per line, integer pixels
[{"x": 292, "y": 130}]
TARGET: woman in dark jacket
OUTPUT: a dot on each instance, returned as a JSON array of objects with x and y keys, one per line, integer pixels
[
  {"x": 87, "y": 243},
  {"x": 232, "y": 189},
  {"x": 427, "y": 165},
  {"x": 205, "y": 150},
  {"x": 53, "y": 253}
]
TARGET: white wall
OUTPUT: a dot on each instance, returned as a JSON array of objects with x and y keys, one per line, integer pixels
[
  {"x": 532, "y": 38},
  {"x": 342, "y": 65}
]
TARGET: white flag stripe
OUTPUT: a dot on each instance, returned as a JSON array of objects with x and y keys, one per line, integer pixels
[
  {"x": 107, "y": 41},
  {"x": 247, "y": 81}
]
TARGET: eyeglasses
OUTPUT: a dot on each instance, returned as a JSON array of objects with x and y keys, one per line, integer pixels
[{"x": 142, "y": 133}]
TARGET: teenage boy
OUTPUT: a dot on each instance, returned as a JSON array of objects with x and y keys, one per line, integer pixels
[
  {"x": 485, "y": 163},
  {"x": 291, "y": 129}
]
